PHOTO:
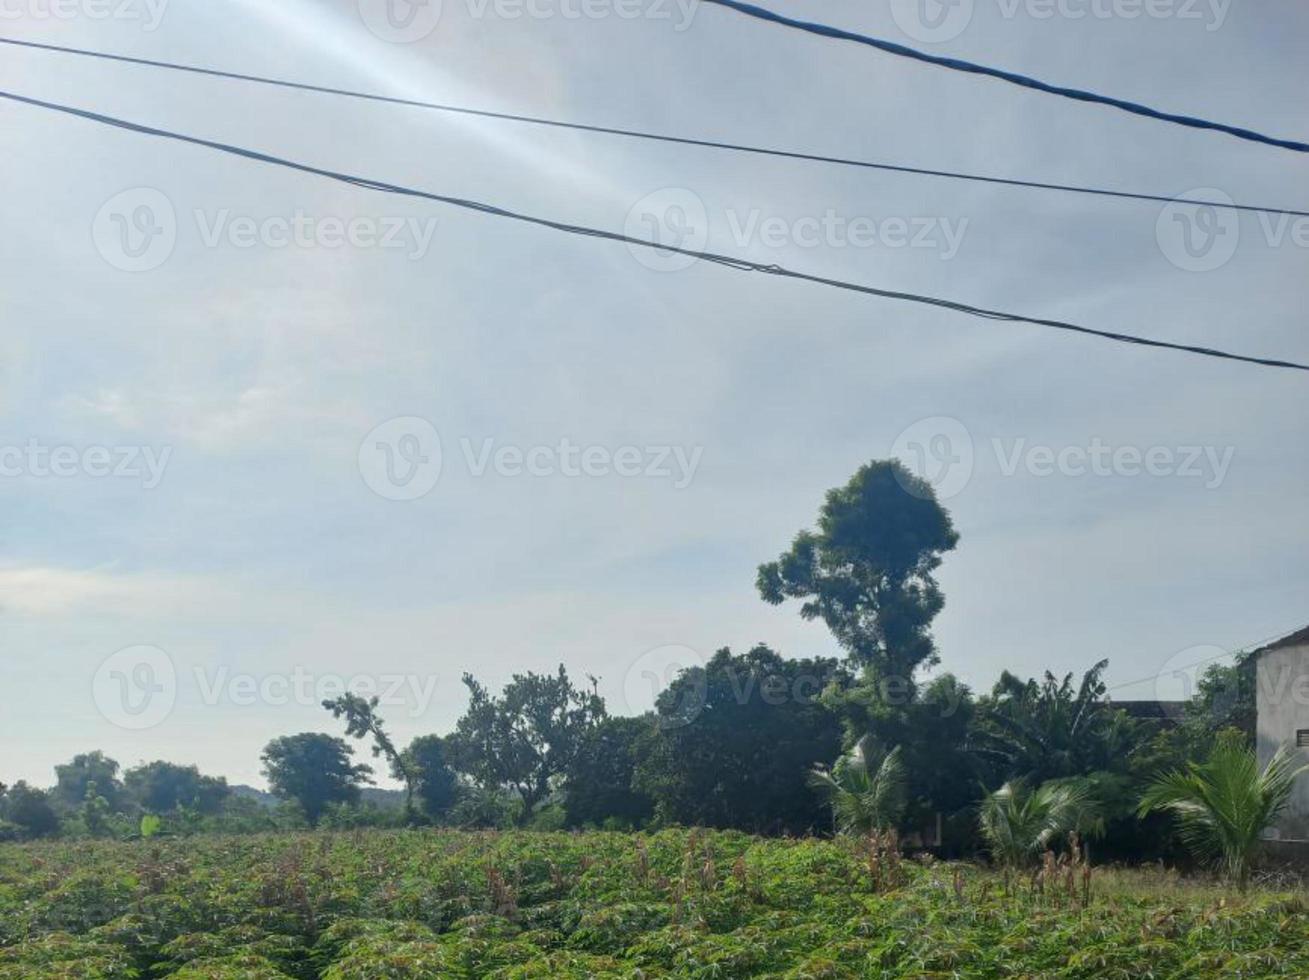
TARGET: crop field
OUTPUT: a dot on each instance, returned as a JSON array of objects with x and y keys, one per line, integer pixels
[{"x": 511, "y": 906}]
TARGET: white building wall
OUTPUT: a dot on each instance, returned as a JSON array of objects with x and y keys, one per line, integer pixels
[{"x": 1282, "y": 696}]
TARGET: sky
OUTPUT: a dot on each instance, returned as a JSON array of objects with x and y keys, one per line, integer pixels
[{"x": 263, "y": 434}]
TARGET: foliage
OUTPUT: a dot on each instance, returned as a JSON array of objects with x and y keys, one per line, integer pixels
[
  {"x": 28, "y": 809},
  {"x": 75, "y": 777},
  {"x": 734, "y": 740},
  {"x": 314, "y": 770},
  {"x": 362, "y": 720},
  {"x": 164, "y": 787},
  {"x": 436, "y": 783},
  {"x": 1053, "y": 730},
  {"x": 866, "y": 792},
  {"x": 1224, "y": 804},
  {"x": 867, "y": 571},
  {"x": 1020, "y": 823},
  {"x": 599, "y": 781},
  {"x": 527, "y": 738},
  {"x": 672, "y": 905}
]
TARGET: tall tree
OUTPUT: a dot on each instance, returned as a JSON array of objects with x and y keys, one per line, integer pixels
[
  {"x": 867, "y": 571},
  {"x": 29, "y": 809},
  {"x": 437, "y": 784},
  {"x": 315, "y": 770},
  {"x": 735, "y": 740},
  {"x": 361, "y": 721},
  {"x": 527, "y": 738},
  {"x": 162, "y": 787},
  {"x": 73, "y": 778}
]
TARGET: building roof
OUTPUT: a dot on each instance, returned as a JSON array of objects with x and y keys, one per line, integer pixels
[
  {"x": 1299, "y": 638},
  {"x": 1152, "y": 710}
]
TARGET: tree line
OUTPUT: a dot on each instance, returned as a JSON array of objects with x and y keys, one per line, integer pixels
[{"x": 752, "y": 740}]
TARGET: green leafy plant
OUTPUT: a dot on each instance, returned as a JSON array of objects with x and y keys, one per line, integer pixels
[
  {"x": 1224, "y": 804},
  {"x": 1018, "y": 822},
  {"x": 150, "y": 825},
  {"x": 866, "y": 793}
]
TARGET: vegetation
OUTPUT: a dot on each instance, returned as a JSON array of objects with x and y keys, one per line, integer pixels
[
  {"x": 675, "y": 904},
  {"x": 752, "y": 743},
  {"x": 1020, "y": 824},
  {"x": 1224, "y": 804},
  {"x": 866, "y": 794}
]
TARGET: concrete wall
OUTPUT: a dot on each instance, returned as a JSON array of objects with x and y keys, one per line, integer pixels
[{"x": 1282, "y": 694}]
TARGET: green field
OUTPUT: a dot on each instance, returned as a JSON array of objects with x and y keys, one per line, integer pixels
[{"x": 376, "y": 904}]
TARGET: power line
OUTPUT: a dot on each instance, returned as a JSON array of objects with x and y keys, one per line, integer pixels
[
  {"x": 1257, "y": 644},
  {"x": 641, "y": 134},
  {"x": 726, "y": 260},
  {"x": 955, "y": 64}
]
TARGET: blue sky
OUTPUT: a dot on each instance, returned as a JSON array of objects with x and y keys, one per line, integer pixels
[{"x": 261, "y": 369}]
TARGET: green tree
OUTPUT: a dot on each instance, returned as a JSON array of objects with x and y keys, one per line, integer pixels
[
  {"x": 526, "y": 739},
  {"x": 931, "y": 725},
  {"x": 361, "y": 721},
  {"x": 164, "y": 787},
  {"x": 1019, "y": 823},
  {"x": 73, "y": 778},
  {"x": 599, "y": 780},
  {"x": 866, "y": 792},
  {"x": 867, "y": 571},
  {"x": 437, "y": 783},
  {"x": 29, "y": 809},
  {"x": 95, "y": 811},
  {"x": 314, "y": 770},
  {"x": 734, "y": 740},
  {"x": 1224, "y": 804},
  {"x": 1053, "y": 730}
]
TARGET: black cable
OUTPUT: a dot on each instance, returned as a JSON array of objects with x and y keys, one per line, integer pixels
[
  {"x": 639, "y": 134},
  {"x": 1026, "y": 81},
  {"x": 729, "y": 261}
]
